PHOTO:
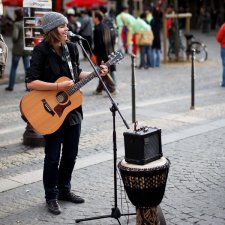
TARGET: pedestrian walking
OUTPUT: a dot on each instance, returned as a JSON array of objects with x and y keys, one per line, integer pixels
[
  {"x": 72, "y": 22},
  {"x": 86, "y": 31},
  {"x": 149, "y": 15},
  {"x": 206, "y": 20},
  {"x": 156, "y": 25},
  {"x": 110, "y": 22},
  {"x": 102, "y": 48},
  {"x": 50, "y": 61},
  {"x": 18, "y": 49},
  {"x": 124, "y": 22},
  {"x": 144, "y": 40},
  {"x": 220, "y": 36}
]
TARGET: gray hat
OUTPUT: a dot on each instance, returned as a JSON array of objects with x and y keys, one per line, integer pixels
[{"x": 52, "y": 20}]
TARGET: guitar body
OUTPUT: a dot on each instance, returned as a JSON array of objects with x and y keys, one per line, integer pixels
[{"x": 46, "y": 110}]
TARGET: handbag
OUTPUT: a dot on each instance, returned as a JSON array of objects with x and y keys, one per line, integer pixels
[{"x": 145, "y": 38}]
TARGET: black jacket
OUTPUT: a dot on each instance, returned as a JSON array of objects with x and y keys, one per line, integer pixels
[
  {"x": 102, "y": 43},
  {"x": 47, "y": 66},
  {"x": 156, "y": 29}
]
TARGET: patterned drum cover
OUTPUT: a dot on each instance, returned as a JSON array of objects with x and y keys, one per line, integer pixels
[{"x": 145, "y": 184}]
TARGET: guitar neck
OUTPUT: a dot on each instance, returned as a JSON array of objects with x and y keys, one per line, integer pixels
[{"x": 84, "y": 81}]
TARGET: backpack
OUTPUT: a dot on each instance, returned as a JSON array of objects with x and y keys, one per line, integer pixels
[
  {"x": 113, "y": 30},
  {"x": 3, "y": 55}
]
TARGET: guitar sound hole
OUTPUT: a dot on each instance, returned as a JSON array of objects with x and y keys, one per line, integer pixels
[{"x": 62, "y": 97}]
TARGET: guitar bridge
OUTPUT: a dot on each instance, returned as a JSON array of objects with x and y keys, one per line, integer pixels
[{"x": 47, "y": 107}]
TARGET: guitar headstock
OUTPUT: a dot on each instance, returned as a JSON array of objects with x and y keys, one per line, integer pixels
[{"x": 114, "y": 58}]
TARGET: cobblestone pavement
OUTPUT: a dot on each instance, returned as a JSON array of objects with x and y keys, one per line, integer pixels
[{"x": 192, "y": 140}]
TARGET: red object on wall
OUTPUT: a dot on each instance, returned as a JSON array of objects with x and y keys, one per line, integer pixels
[
  {"x": 58, "y": 6},
  {"x": 85, "y": 3},
  {"x": 18, "y": 3}
]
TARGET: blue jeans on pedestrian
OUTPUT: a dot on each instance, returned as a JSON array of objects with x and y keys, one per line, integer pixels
[
  {"x": 15, "y": 62},
  {"x": 223, "y": 62},
  {"x": 155, "y": 57},
  {"x": 57, "y": 172},
  {"x": 144, "y": 56}
]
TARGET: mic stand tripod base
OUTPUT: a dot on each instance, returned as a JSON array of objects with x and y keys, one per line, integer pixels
[{"x": 116, "y": 214}]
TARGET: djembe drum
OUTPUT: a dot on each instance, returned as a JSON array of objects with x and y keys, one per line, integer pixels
[{"x": 145, "y": 186}]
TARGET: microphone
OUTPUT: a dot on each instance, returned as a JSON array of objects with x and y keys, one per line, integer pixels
[{"x": 75, "y": 36}]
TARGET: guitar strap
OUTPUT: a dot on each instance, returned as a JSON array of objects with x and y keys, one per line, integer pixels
[{"x": 69, "y": 61}]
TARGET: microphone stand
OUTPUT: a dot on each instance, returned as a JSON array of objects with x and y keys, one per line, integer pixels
[{"x": 116, "y": 214}]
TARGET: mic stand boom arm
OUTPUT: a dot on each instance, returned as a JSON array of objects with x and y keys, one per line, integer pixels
[{"x": 115, "y": 211}]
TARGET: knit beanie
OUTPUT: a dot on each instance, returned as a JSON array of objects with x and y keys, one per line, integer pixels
[{"x": 52, "y": 20}]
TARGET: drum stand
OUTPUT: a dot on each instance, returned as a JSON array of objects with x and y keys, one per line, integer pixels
[{"x": 116, "y": 214}]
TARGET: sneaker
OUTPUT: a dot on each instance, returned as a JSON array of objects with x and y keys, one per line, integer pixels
[
  {"x": 71, "y": 197},
  {"x": 9, "y": 89},
  {"x": 53, "y": 206},
  {"x": 97, "y": 93}
]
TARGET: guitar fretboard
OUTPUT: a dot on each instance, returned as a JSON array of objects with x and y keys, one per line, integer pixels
[{"x": 84, "y": 81}]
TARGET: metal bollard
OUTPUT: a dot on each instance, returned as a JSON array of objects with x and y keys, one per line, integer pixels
[
  {"x": 192, "y": 79},
  {"x": 133, "y": 84},
  {"x": 31, "y": 138}
]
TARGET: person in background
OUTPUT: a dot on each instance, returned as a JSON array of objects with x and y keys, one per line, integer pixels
[
  {"x": 72, "y": 23},
  {"x": 102, "y": 48},
  {"x": 156, "y": 25},
  {"x": 149, "y": 15},
  {"x": 141, "y": 25},
  {"x": 170, "y": 26},
  {"x": 18, "y": 49},
  {"x": 109, "y": 21},
  {"x": 86, "y": 31},
  {"x": 49, "y": 62},
  {"x": 124, "y": 22},
  {"x": 220, "y": 37},
  {"x": 206, "y": 19},
  {"x": 214, "y": 18}
]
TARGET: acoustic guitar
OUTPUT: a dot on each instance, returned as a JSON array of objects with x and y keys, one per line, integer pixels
[{"x": 45, "y": 111}]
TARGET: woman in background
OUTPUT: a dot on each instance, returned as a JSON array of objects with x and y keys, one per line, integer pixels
[{"x": 18, "y": 49}]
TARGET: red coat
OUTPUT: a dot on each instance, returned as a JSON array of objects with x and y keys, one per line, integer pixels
[{"x": 220, "y": 36}]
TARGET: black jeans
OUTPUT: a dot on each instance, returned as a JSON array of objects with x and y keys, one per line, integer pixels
[{"x": 58, "y": 171}]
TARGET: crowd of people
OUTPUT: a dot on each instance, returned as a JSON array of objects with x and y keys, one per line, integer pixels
[
  {"x": 124, "y": 31},
  {"x": 104, "y": 33}
]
